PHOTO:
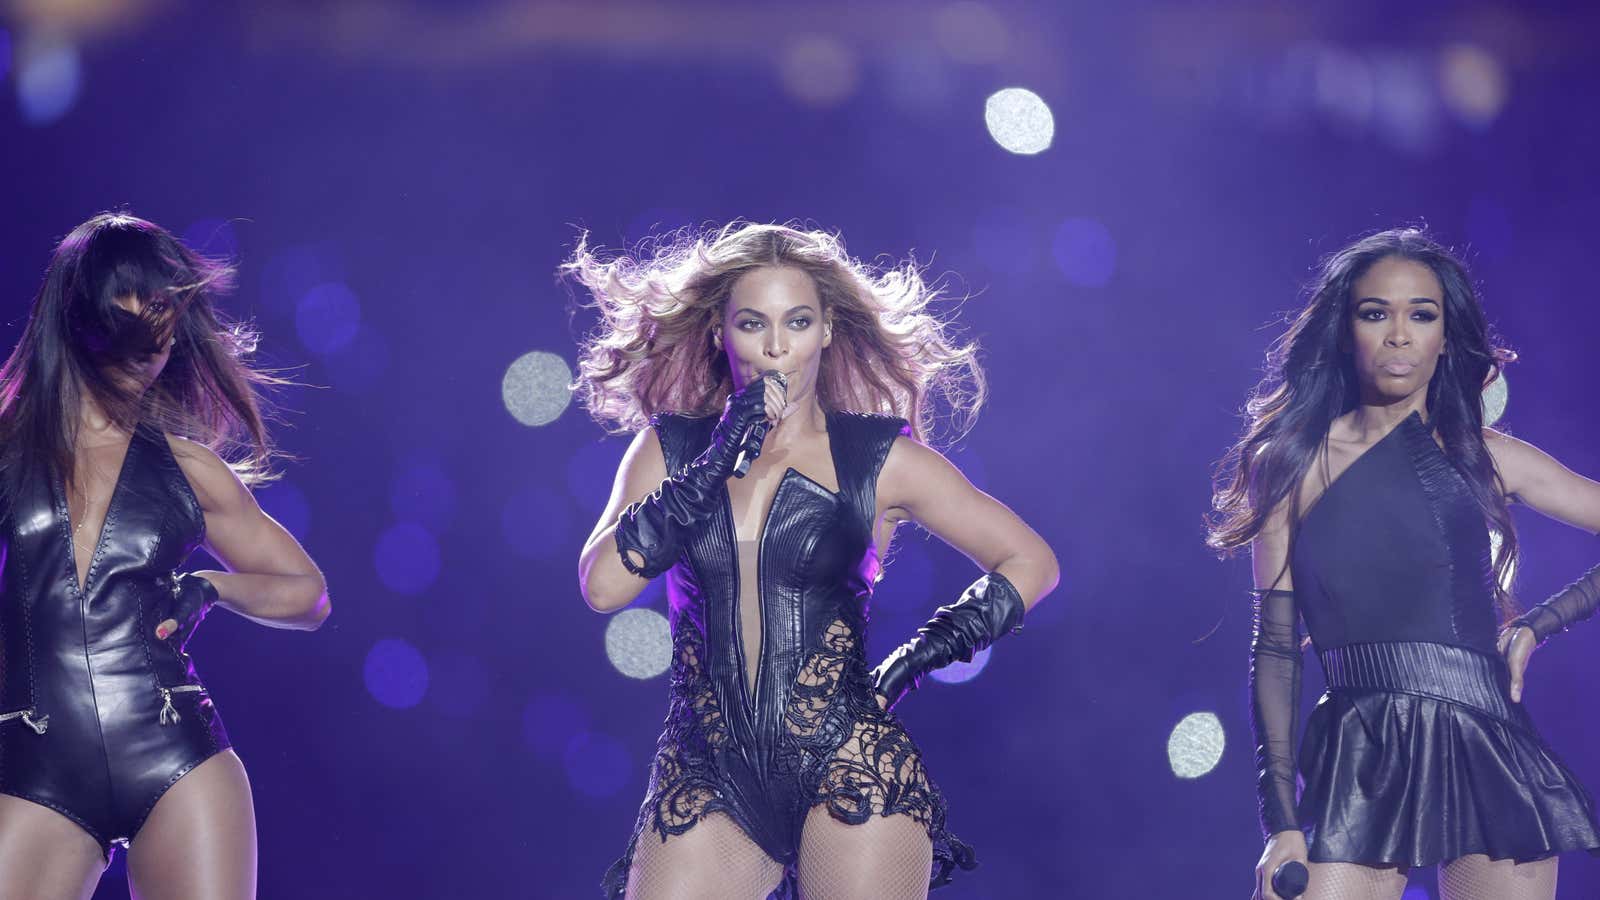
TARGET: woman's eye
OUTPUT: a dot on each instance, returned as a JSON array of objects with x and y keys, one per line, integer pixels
[
  {"x": 749, "y": 325},
  {"x": 801, "y": 322},
  {"x": 1371, "y": 315},
  {"x": 1425, "y": 316}
]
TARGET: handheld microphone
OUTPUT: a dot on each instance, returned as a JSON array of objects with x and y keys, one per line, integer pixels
[
  {"x": 1290, "y": 880},
  {"x": 758, "y": 431}
]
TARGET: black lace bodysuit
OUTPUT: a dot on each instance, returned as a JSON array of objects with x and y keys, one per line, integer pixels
[{"x": 810, "y": 731}]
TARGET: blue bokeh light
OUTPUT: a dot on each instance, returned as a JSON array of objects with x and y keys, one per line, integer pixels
[
  {"x": 327, "y": 317},
  {"x": 407, "y": 558},
  {"x": 396, "y": 674},
  {"x": 49, "y": 76}
]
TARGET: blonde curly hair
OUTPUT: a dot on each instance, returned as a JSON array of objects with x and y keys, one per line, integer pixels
[{"x": 652, "y": 351}]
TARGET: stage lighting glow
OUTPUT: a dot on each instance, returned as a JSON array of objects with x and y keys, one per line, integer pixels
[
  {"x": 639, "y": 643},
  {"x": 212, "y": 237},
  {"x": 49, "y": 76},
  {"x": 288, "y": 505},
  {"x": 1495, "y": 398},
  {"x": 423, "y": 493},
  {"x": 537, "y": 523},
  {"x": 1473, "y": 84},
  {"x": 1019, "y": 120},
  {"x": 460, "y": 685},
  {"x": 819, "y": 71},
  {"x": 971, "y": 32},
  {"x": 407, "y": 558},
  {"x": 597, "y": 764},
  {"x": 1085, "y": 252},
  {"x": 396, "y": 674},
  {"x": 327, "y": 318},
  {"x": 957, "y": 672},
  {"x": 536, "y": 388},
  {"x": 550, "y": 722},
  {"x": 1195, "y": 746}
]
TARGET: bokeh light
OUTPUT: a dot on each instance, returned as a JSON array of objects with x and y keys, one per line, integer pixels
[
  {"x": 396, "y": 674},
  {"x": 288, "y": 505},
  {"x": 536, "y": 388},
  {"x": 1195, "y": 745},
  {"x": 597, "y": 764},
  {"x": 550, "y": 722},
  {"x": 1495, "y": 397},
  {"x": 423, "y": 492},
  {"x": 1019, "y": 120},
  {"x": 819, "y": 71},
  {"x": 460, "y": 684},
  {"x": 958, "y": 671},
  {"x": 1473, "y": 84},
  {"x": 639, "y": 643},
  {"x": 1085, "y": 252},
  {"x": 49, "y": 76},
  {"x": 407, "y": 558},
  {"x": 971, "y": 32},
  {"x": 327, "y": 317},
  {"x": 537, "y": 523}
]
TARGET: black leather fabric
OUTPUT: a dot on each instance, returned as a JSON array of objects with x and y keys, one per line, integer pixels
[
  {"x": 988, "y": 610},
  {"x": 123, "y": 714},
  {"x": 810, "y": 733},
  {"x": 1416, "y": 755}
]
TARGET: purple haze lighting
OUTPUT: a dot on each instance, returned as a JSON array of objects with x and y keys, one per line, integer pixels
[
  {"x": 1085, "y": 252},
  {"x": 597, "y": 764},
  {"x": 423, "y": 492},
  {"x": 212, "y": 237},
  {"x": 359, "y": 366},
  {"x": 550, "y": 722},
  {"x": 460, "y": 685},
  {"x": 957, "y": 672},
  {"x": 537, "y": 523},
  {"x": 396, "y": 674},
  {"x": 327, "y": 318},
  {"x": 407, "y": 558},
  {"x": 288, "y": 505},
  {"x": 49, "y": 76},
  {"x": 591, "y": 470}
]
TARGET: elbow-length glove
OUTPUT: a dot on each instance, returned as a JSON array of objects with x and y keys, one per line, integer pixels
[
  {"x": 1569, "y": 606},
  {"x": 1275, "y": 666},
  {"x": 655, "y": 528},
  {"x": 988, "y": 610}
]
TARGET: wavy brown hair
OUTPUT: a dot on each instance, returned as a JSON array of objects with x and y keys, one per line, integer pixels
[
  {"x": 653, "y": 352},
  {"x": 79, "y": 343}
]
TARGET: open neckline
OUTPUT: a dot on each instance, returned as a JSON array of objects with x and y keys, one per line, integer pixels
[
  {"x": 1414, "y": 417},
  {"x": 82, "y": 584}
]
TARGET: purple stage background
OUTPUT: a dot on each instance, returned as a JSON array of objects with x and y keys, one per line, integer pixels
[{"x": 400, "y": 180}]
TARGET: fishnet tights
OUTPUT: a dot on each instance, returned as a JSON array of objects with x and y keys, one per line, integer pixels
[
  {"x": 1473, "y": 877},
  {"x": 714, "y": 860},
  {"x": 1348, "y": 881},
  {"x": 885, "y": 858}
]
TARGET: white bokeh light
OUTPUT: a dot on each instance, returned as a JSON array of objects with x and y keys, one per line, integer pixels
[
  {"x": 537, "y": 388},
  {"x": 1195, "y": 745},
  {"x": 1019, "y": 120},
  {"x": 639, "y": 643}
]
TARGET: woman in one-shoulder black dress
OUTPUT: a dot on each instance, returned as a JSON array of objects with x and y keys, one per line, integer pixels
[
  {"x": 780, "y": 766},
  {"x": 1367, "y": 488}
]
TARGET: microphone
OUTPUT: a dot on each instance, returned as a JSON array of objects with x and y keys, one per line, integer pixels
[
  {"x": 1290, "y": 880},
  {"x": 758, "y": 431}
]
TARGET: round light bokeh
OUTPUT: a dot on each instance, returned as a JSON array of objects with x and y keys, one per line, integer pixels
[
  {"x": 819, "y": 70},
  {"x": 597, "y": 764},
  {"x": 396, "y": 674},
  {"x": 1019, "y": 121},
  {"x": 407, "y": 558},
  {"x": 1085, "y": 252},
  {"x": 639, "y": 643},
  {"x": 537, "y": 388},
  {"x": 327, "y": 318},
  {"x": 1195, "y": 745},
  {"x": 958, "y": 672},
  {"x": 49, "y": 76},
  {"x": 1495, "y": 397}
]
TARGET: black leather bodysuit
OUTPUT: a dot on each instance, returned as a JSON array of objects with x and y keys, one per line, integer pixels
[
  {"x": 98, "y": 717},
  {"x": 810, "y": 732}
]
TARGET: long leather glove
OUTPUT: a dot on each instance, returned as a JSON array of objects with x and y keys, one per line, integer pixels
[
  {"x": 656, "y": 527},
  {"x": 987, "y": 611},
  {"x": 1569, "y": 606}
]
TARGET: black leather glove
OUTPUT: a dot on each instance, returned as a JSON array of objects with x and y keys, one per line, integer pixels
[
  {"x": 987, "y": 611},
  {"x": 1569, "y": 606},
  {"x": 192, "y": 598},
  {"x": 656, "y": 527}
]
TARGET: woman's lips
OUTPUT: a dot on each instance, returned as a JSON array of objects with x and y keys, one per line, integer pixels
[{"x": 1398, "y": 367}]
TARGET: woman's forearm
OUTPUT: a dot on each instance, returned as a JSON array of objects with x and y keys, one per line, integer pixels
[{"x": 278, "y": 601}]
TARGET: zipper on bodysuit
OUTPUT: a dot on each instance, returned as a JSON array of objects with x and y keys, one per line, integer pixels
[
  {"x": 169, "y": 713},
  {"x": 29, "y": 718}
]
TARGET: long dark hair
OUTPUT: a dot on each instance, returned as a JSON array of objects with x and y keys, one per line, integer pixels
[
  {"x": 79, "y": 343},
  {"x": 1311, "y": 381}
]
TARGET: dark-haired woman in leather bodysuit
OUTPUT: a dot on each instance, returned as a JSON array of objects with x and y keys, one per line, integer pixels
[
  {"x": 780, "y": 766},
  {"x": 112, "y": 406}
]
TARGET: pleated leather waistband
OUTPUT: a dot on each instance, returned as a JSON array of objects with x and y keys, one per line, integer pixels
[{"x": 1441, "y": 671}]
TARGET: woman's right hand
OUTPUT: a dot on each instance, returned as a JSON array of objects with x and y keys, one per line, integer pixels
[
  {"x": 1285, "y": 846},
  {"x": 760, "y": 398}
]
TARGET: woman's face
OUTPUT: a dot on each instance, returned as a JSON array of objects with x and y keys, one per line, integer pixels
[
  {"x": 147, "y": 367},
  {"x": 774, "y": 320},
  {"x": 1396, "y": 328}
]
